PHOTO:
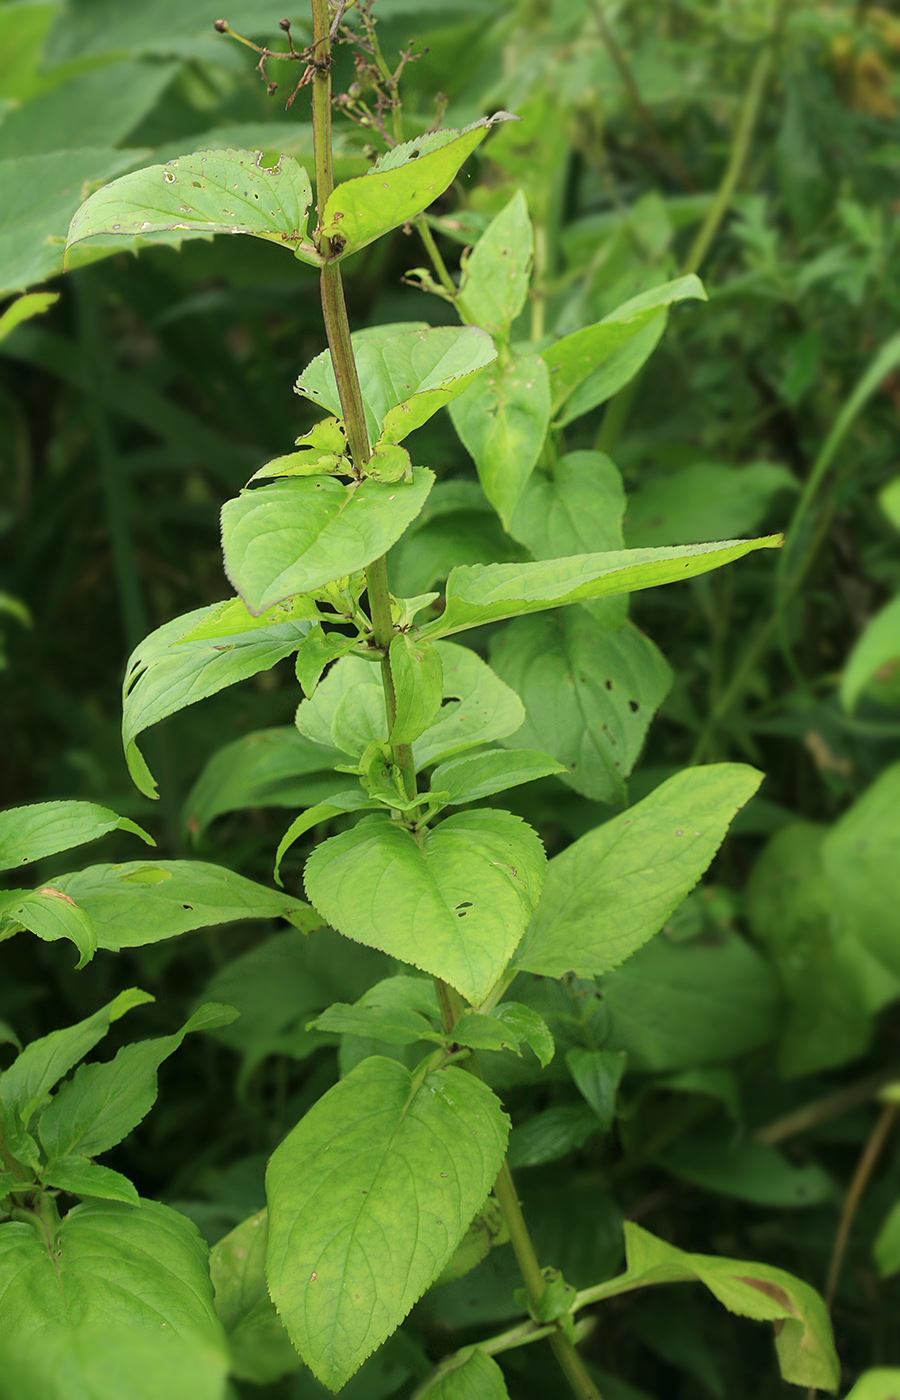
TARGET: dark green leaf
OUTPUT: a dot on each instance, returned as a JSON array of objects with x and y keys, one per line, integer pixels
[
  {"x": 598, "y": 1074},
  {"x": 272, "y": 768},
  {"x": 93, "y": 109},
  {"x": 703, "y": 501}
]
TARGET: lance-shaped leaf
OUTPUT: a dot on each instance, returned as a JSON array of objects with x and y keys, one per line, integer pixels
[
  {"x": 166, "y": 673},
  {"x": 399, "y": 1011},
  {"x": 418, "y": 686},
  {"x": 454, "y": 902},
  {"x": 293, "y": 538},
  {"x": 81, "y": 1177},
  {"x": 361, "y": 210},
  {"x": 137, "y": 903},
  {"x": 103, "y": 1102},
  {"x": 875, "y": 659},
  {"x": 210, "y": 192},
  {"x": 494, "y": 281},
  {"x": 502, "y": 421},
  {"x": 803, "y": 1339},
  {"x": 44, "y": 1062},
  {"x": 480, "y": 593},
  {"x": 406, "y": 373},
  {"x": 590, "y": 365},
  {"x": 610, "y": 891},
  {"x": 368, "y": 1198},
  {"x": 471, "y": 776},
  {"x": 29, "y": 833},
  {"x": 272, "y": 768}
]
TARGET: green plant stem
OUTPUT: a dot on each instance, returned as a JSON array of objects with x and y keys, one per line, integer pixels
[{"x": 569, "y": 1361}]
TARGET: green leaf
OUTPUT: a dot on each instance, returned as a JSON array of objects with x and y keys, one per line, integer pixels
[
  {"x": 704, "y": 501},
  {"x": 22, "y": 309},
  {"x": 875, "y": 657},
  {"x": 165, "y": 673},
  {"x": 38, "y": 196},
  {"x": 803, "y": 1340},
  {"x": 481, "y": 593},
  {"x": 276, "y": 767},
  {"x": 49, "y": 915},
  {"x": 293, "y": 538},
  {"x": 28, "y": 833},
  {"x": 108, "y": 1261},
  {"x": 317, "y": 650},
  {"x": 474, "y": 1377},
  {"x": 505, "y": 1027},
  {"x": 352, "y": 801},
  {"x": 589, "y": 691},
  {"x": 859, "y": 856},
  {"x": 80, "y": 1177},
  {"x": 44, "y": 1062},
  {"x": 91, "y": 109},
  {"x": 138, "y": 903},
  {"x": 406, "y": 373},
  {"x": 486, "y": 1230},
  {"x": 399, "y": 1011},
  {"x": 494, "y": 282},
  {"x": 611, "y": 890},
  {"x": 361, "y": 210},
  {"x": 889, "y": 500},
  {"x": 230, "y": 620},
  {"x": 418, "y": 686},
  {"x": 351, "y": 1246},
  {"x": 594, "y": 363},
  {"x": 502, "y": 422},
  {"x": 476, "y": 775},
  {"x": 261, "y": 1350},
  {"x": 886, "y": 1250},
  {"x": 105, "y": 1361},
  {"x": 212, "y": 192},
  {"x": 881, "y": 1383},
  {"x": 598, "y": 1074},
  {"x": 453, "y": 902},
  {"x": 573, "y": 506},
  {"x": 548, "y": 1136},
  {"x": 747, "y": 1171},
  {"x": 457, "y": 526},
  {"x": 103, "y": 1102}
]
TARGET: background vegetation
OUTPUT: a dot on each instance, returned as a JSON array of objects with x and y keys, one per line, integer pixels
[{"x": 756, "y": 143}]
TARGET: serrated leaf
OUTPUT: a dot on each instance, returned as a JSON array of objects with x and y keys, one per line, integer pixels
[
  {"x": 103, "y": 1102},
  {"x": 473, "y": 1377},
  {"x": 81, "y": 1177},
  {"x": 502, "y": 421},
  {"x": 44, "y": 1062},
  {"x": 361, "y": 210},
  {"x": 594, "y": 363},
  {"x": 351, "y": 1246},
  {"x": 611, "y": 890},
  {"x": 294, "y": 538},
  {"x": 589, "y": 691},
  {"x": 453, "y": 902},
  {"x": 166, "y": 673},
  {"x": 418, "y": 686},
  {"x": 399, "y": 1011},
  {"x": 471, "y": 776},
  {"x": 406, "y": 373},
  {"x": 49, "y": 915},
  {"x": 138, "y": 903},
  {"x": 494, "y": 283},
  {"x": 480, "y": 593},
  {"x": 104, "y": 1361},
  {"x": 210, "y": 192},
  {"x": 29, "y": 833},
  {"x": 275, "y": 767}
]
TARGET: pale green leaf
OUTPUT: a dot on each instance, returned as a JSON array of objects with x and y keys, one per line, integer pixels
[
  {"x": 471, "y": 776},
  {"x": 406, "y": 373},
  {"x": 261, "y": 1350},
  {"x": 29, "y": 833},
  {"x": 505, "y": 1028},
  {"x": 486, "y": 1230},
  {"x": 589, "y": 691},
  {"x": 399, "y": 1011},
  {"x": 803, "y": 1339},
  {"x": 859, "y": 857},
  {"x": 453, "y": 902},
  {"x": 139, "y": 903},
  {"x": 351, "y": 1245},
  {"x": 889, "y": 500},
  {"x": 600, "y": 359},
  {"x": 44, "y": 1062},
  {"x": 481, "y": 593},
  {"x": 597, "y": 1075},
  {"x": 494, "y": 282},
  {"x": 502, "y": 421},
  {"x": 881, "y": 1383},
  {"x": 351, "y": 801},
  {"x": 886, "y": 1250},
  {"x": 476, "y": 1376},
  {"x": 875, "y": 655},
  {"x": 103, "y": 1102},
  {"x": 103, "y": 1360},
  {"x": 165, "y": 673},
  {"x": 317, "y": 650},
  {"x": 293, "y": 538},
  {"x": 611, "y": 890},
  {"x": 418, "y": 686},
  {"x": 231, "y": 620},
  {"x": 49, "y": 915},
  {"x": 361, "y": 210},
  {"x": 525, "y": 1021},
  {"x": 81, "y": 1177},
  {"x": 23, "y": 308},
  {"x": 276, "y": 767},
  {"x": 211, "y": 192}
]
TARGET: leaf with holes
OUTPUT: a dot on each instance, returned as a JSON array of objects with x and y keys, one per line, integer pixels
[
  {"x": 353, "y": 1243},
  {"x": 453, "y": 902},
  {"x": 210, "y": 192}
]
